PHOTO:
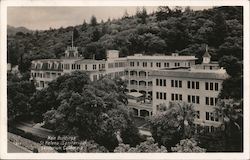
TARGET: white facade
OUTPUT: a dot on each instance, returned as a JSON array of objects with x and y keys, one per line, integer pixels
[
  {"x": 45, "y": 70},
  {"x": 139, "y": 66},
  {"x": 199, "y": 85}
]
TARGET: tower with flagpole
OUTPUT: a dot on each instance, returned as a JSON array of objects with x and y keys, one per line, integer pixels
[{"x": 71, "y": 51}]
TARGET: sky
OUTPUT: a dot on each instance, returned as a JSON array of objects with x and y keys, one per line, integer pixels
[{"x": 42, "y": 18}]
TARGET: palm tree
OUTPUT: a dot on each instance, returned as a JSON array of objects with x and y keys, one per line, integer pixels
[
  {"x": 176, "y": 123},
  {"x": 231, "y": 114},
  {"x": 186, "y": 117}
]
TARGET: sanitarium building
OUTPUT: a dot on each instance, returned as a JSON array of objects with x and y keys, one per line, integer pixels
[{"x": 159, "y": 78}]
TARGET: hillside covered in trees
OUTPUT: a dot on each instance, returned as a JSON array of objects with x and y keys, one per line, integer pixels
[{"x": 166, "y": 30}]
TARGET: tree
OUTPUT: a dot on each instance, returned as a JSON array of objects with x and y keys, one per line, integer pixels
[
  {"x": 187, "y": 145},
  {"x": 229, "y": 136},
  {"x": 75, "y": 34},
  {"x": 231, "y": 114},
  {"x": 90, "y": 110},
  {"x": 142, "y": 14},
  {"x": 93, "y": 21},
  {"x": 231, "y": 64},
  {"x": 232, "y": 88},
  {"x": 18, "y": 94},
  {"x": 174, "y": 124},
  {"x": 163, "y": 13},
  {"x": 220, "y": 29},
  {"x": 84, "y": 25},
  {"x": 149, "y": 146},
  {"x": 96, "y": 35},
  {"x": 58, "y": 90}
]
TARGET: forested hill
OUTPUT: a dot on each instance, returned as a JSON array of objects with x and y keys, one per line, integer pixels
[{"x": 166, "y": 30}]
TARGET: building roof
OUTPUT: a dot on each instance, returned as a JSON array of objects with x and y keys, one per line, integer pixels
[
  {"x": 135, "y": 94},
  {"x": 88, "y": 61},
  {"x": 189, "y": 73},
  {"x": 46, "y": 60},
  {"x": 161, "y": 57}
]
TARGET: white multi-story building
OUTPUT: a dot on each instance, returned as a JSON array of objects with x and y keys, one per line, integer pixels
[
  {"x": 45, "y": 70},
  {"x": 152, "y": 80},
  {"x": 199, "y": 85},
  {"x": 139, "y": 67}
]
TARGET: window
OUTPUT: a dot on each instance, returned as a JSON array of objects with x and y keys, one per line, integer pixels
[
  {"x": 215, "y": 101},
  {"x": 78, "y": 66},
  {"x": 86, "y": 67},
  {"x": 73, "y": 66},
  {"x": 188, "y": 84},
  {"x": 216, "y": 86},
  {"x": 138, "y": 63},
  {"x": 132, "y": 64},
  {"x": 206, "y": 86},
  {"x": 165, "y": 64},
  {"x": 66, "y": 66},
  {"x": 160, "y": 95},
  {"x": 116, "y": 65},
  {"x": 172, "y": 97},
  {"x": 189, "y": 98},
  {"x": 158, "y": 64},
  {"x": 176, "y": 97},
  {"x": 94, "y": 66},
  {"x": 211, "y": 101},
  {"x": 193, "y": 99},
  {"x": 157, "y": 82},
  {"x": 207, "y": 115},
  {"x": 180, "y": 84},
  {"x": 164, "y": 82},
  {"x": 193, "y": 85},
  {"x": 197, "y": 99},
  {"x": 160, "y": 82},
  {"x": 165, "y": 96},
  {"x": 211, "y": 86},
  {"x": 176, "y": 83},
  {"x": 151, "y": 64},
  {"x": 144, "y": 64},
  {"x": 207, "y": 101},
  {"x": 197, "y": 85}
]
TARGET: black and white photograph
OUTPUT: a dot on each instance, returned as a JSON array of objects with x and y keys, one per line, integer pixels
[{"x": 133, "y": 78}]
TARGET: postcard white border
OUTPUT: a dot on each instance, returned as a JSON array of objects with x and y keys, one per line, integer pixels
[{"x": 3, "y": 84}]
